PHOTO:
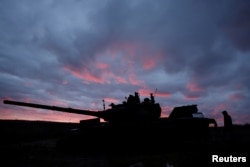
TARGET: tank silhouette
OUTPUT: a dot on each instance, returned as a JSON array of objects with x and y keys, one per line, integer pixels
[
  {"x": 130, "y": 111},
  {"x": 132, "y": 126}
]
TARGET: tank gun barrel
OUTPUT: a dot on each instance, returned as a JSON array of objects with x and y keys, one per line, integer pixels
[{"x": 55, "y": 108}]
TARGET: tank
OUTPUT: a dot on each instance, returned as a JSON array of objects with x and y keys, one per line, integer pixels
[{"x": 133, "y": 126}]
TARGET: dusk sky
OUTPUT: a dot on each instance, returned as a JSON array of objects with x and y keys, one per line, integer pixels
[{"x": 76, "y": 53}]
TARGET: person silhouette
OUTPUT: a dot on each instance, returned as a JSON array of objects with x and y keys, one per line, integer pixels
[
  {"x": 137, "y": 98},
  {"x": 228, "y": 124}
]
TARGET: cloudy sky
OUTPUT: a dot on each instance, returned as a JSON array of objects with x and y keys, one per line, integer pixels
[{"x": 76, "y": 53}]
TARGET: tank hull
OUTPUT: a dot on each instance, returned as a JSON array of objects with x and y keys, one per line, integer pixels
[{"x": 157, "y": 136}]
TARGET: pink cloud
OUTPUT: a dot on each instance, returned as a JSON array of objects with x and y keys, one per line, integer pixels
[
  {"x": 134, "y": 81},
  {"x": 146, "y": 54},
  {"x": 105, "y": 75},
  {"x": 102, "y": 66},
  {"x": 126, "y": 60},
  {"x": 85, "y": 75},
  {"x": 149, "y": 63},
  {"x": 92, "y": 78},
  {"x": 110, "y": 100},
  {"x": 150, "y": 60},
  {"x": 128, "y": 48},
  {"x": 236, "y": 96},
  {"x": 147, "y": 92},
  {"x": 65, "y": 82},
  {"x": 121, "y": 80},
  {"x": 163, "y": 94},
  {"x": 166, "y": 110},
  {"x": 194, "y": 87},
  {"x": 190, "y": 97}
]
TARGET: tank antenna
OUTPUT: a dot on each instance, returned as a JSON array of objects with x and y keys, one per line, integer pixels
[
  {"x": 155, "y": 91},
  {"x": 103, "y": 104}
]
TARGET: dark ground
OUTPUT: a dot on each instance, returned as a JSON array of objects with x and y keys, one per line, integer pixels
[{"x": 34, "y": 143}]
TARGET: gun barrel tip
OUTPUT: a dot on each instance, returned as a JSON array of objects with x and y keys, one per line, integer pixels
[{"x": 5, "y": 101}]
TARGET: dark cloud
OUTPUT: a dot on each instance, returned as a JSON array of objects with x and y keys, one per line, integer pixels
[
  {"x": 80, "y": 52},
  {"x": 236, "y": 25}
]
